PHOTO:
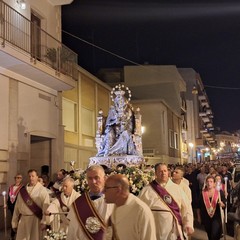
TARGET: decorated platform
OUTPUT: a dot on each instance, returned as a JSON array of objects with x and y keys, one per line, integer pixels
[{"x": 119, "y": 135}]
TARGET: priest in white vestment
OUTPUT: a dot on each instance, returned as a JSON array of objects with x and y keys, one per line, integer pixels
[
  {"x": 24, "y": 221},
  {"x": 96, "y": 179},
  {"x": 131, "y": 218},
  {"x": 167, "y": 225},
  {"x": 59, "y": 207}
]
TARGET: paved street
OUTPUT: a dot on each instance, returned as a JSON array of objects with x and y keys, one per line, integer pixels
[{"x": 199, "y": 234}]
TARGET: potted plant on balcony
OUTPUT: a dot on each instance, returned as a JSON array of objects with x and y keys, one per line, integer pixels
[
  {"x": 51, "y": 55},
  {"x": 66, "y": 55}
]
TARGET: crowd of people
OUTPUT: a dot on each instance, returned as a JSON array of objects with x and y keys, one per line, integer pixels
[{"x": 164, "y": 210}]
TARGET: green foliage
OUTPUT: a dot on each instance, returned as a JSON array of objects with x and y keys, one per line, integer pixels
[{"x": 65, "y": 54}]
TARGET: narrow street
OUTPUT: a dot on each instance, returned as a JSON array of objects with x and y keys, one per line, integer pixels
[{"x": 200, "y": 234}]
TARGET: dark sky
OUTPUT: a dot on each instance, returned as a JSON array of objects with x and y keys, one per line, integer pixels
[{"x": 192, "y": 34}]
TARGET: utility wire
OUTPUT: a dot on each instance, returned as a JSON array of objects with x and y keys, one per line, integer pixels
[
  {"x": 225, "y": 88},
  {"x": 135, "y": 63},
  {"x": 102, "y": 49}
]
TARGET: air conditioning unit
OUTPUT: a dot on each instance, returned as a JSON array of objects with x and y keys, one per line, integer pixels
[{"x": 148, "y": 152}]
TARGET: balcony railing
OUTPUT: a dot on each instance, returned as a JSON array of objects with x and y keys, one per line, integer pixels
[{"x": 27, "y": 37}]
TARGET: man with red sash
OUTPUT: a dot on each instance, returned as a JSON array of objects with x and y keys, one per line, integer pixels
[
  {"x": 32, "y": 202},
  {"x": 170, "y": 206},
  {"x": 88, "y": 215},
  {"x": 61, "y": 205},
  {"x": 12, "y": 196}
]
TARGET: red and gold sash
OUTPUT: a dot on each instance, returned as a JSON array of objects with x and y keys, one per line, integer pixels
[
  {"x": 30, "y": 203},
  {"x": 13, "y": 194},
  {"x": 210, "y": 205},
  {"x": 89, "y": 218}
]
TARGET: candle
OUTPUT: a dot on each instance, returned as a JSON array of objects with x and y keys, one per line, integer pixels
[{"x": 5, "y": 211}]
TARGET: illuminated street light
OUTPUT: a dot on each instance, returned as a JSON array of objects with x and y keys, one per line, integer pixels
[{"x": 194, "y": 90}]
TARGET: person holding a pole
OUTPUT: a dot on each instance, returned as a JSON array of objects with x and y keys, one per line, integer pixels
[{"x": 209, "y": 210}]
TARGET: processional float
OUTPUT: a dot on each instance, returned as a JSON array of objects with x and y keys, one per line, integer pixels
[{"x": 119, "y": 135}]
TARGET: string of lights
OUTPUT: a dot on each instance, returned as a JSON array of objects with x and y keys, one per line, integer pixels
[{"x": 135, "y": 63}]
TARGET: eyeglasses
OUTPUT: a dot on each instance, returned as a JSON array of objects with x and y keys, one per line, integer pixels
[
  {"x": 18, "y": 177},
  {"x": 105, "y": 188}
]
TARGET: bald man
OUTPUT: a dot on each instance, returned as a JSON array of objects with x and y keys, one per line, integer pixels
[
  {"x": 131, "y": 218},
  {"x": 61, "y": 205}
]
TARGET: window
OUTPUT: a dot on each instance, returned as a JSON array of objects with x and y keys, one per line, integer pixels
[
  {"x": 69, "y": 115},
  {"x": 176, "y": 145},
  {"x": 171, "y": 138},
  {"x": 174, "y": 142}
]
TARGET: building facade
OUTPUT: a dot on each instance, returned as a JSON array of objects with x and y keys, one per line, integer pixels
[
  {"x": 35, "y": 67},
  {"x": 80, "y": 110}
]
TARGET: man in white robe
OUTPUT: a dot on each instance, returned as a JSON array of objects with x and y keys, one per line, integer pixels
[
  {"x": 75, "y": 231},
  {"x": 96, "y": 179},
  {"x": 167, "y": 225},
  {"x": 55, "y": 212},
  {"x": 131, "y": 218},
  {"x": 177, "y": 177},
  {"x": 24, "y": 221}
]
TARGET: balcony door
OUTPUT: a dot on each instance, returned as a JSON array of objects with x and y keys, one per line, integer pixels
[{"x": 35, "y": 36}]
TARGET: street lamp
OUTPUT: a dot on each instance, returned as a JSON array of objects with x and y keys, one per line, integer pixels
[{"x": 191, "y": 145}]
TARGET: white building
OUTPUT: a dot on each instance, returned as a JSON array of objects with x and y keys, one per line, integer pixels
[{"x": 34, "y": 69}]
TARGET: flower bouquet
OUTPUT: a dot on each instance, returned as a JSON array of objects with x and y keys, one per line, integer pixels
[
  {"x": 137, "y": 177},
  {"x": 51, "y": 235}
]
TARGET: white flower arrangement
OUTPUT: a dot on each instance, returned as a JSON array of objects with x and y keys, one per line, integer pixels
[
  {"x": 137, "y": 177},
  {"x": 51, "y": 235}
]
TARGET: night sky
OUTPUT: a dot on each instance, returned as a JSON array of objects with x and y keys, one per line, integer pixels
[{"x": 189, "y": 34}]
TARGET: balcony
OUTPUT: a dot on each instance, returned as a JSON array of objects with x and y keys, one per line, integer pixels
[
  {"x": 202, "y": 114},
  {"x": 209, "y": 125},
  {"x": 209, "y": 111},
  {"x": 203, "y": 131},
  {"x": 202, "y": 98},
  {"x": 29, "y": 51},
  {"x": 205, "y": 119}
]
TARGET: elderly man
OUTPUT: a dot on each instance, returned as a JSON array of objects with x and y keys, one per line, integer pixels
[
  {"x": 177, "y": 177},
  {"x": 89, "y": 213},
  {"x": 131, "y": 218},
  {"x": 170, "y": 206},
  {"x": 32, "y": 202},
  {"x": 61, "y": 205}
]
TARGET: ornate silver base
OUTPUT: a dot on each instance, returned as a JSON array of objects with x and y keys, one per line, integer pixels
[{"x": 114, "y": 161}]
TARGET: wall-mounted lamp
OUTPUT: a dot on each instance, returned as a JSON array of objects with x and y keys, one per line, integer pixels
[
  {"x": 194, "y": 90},
  {"x": 21, "y": 3}
]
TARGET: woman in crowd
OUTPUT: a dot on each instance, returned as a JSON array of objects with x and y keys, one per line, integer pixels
[
  {"x": 12, "y": 196},
  {"x": 209, "y": 210}
]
